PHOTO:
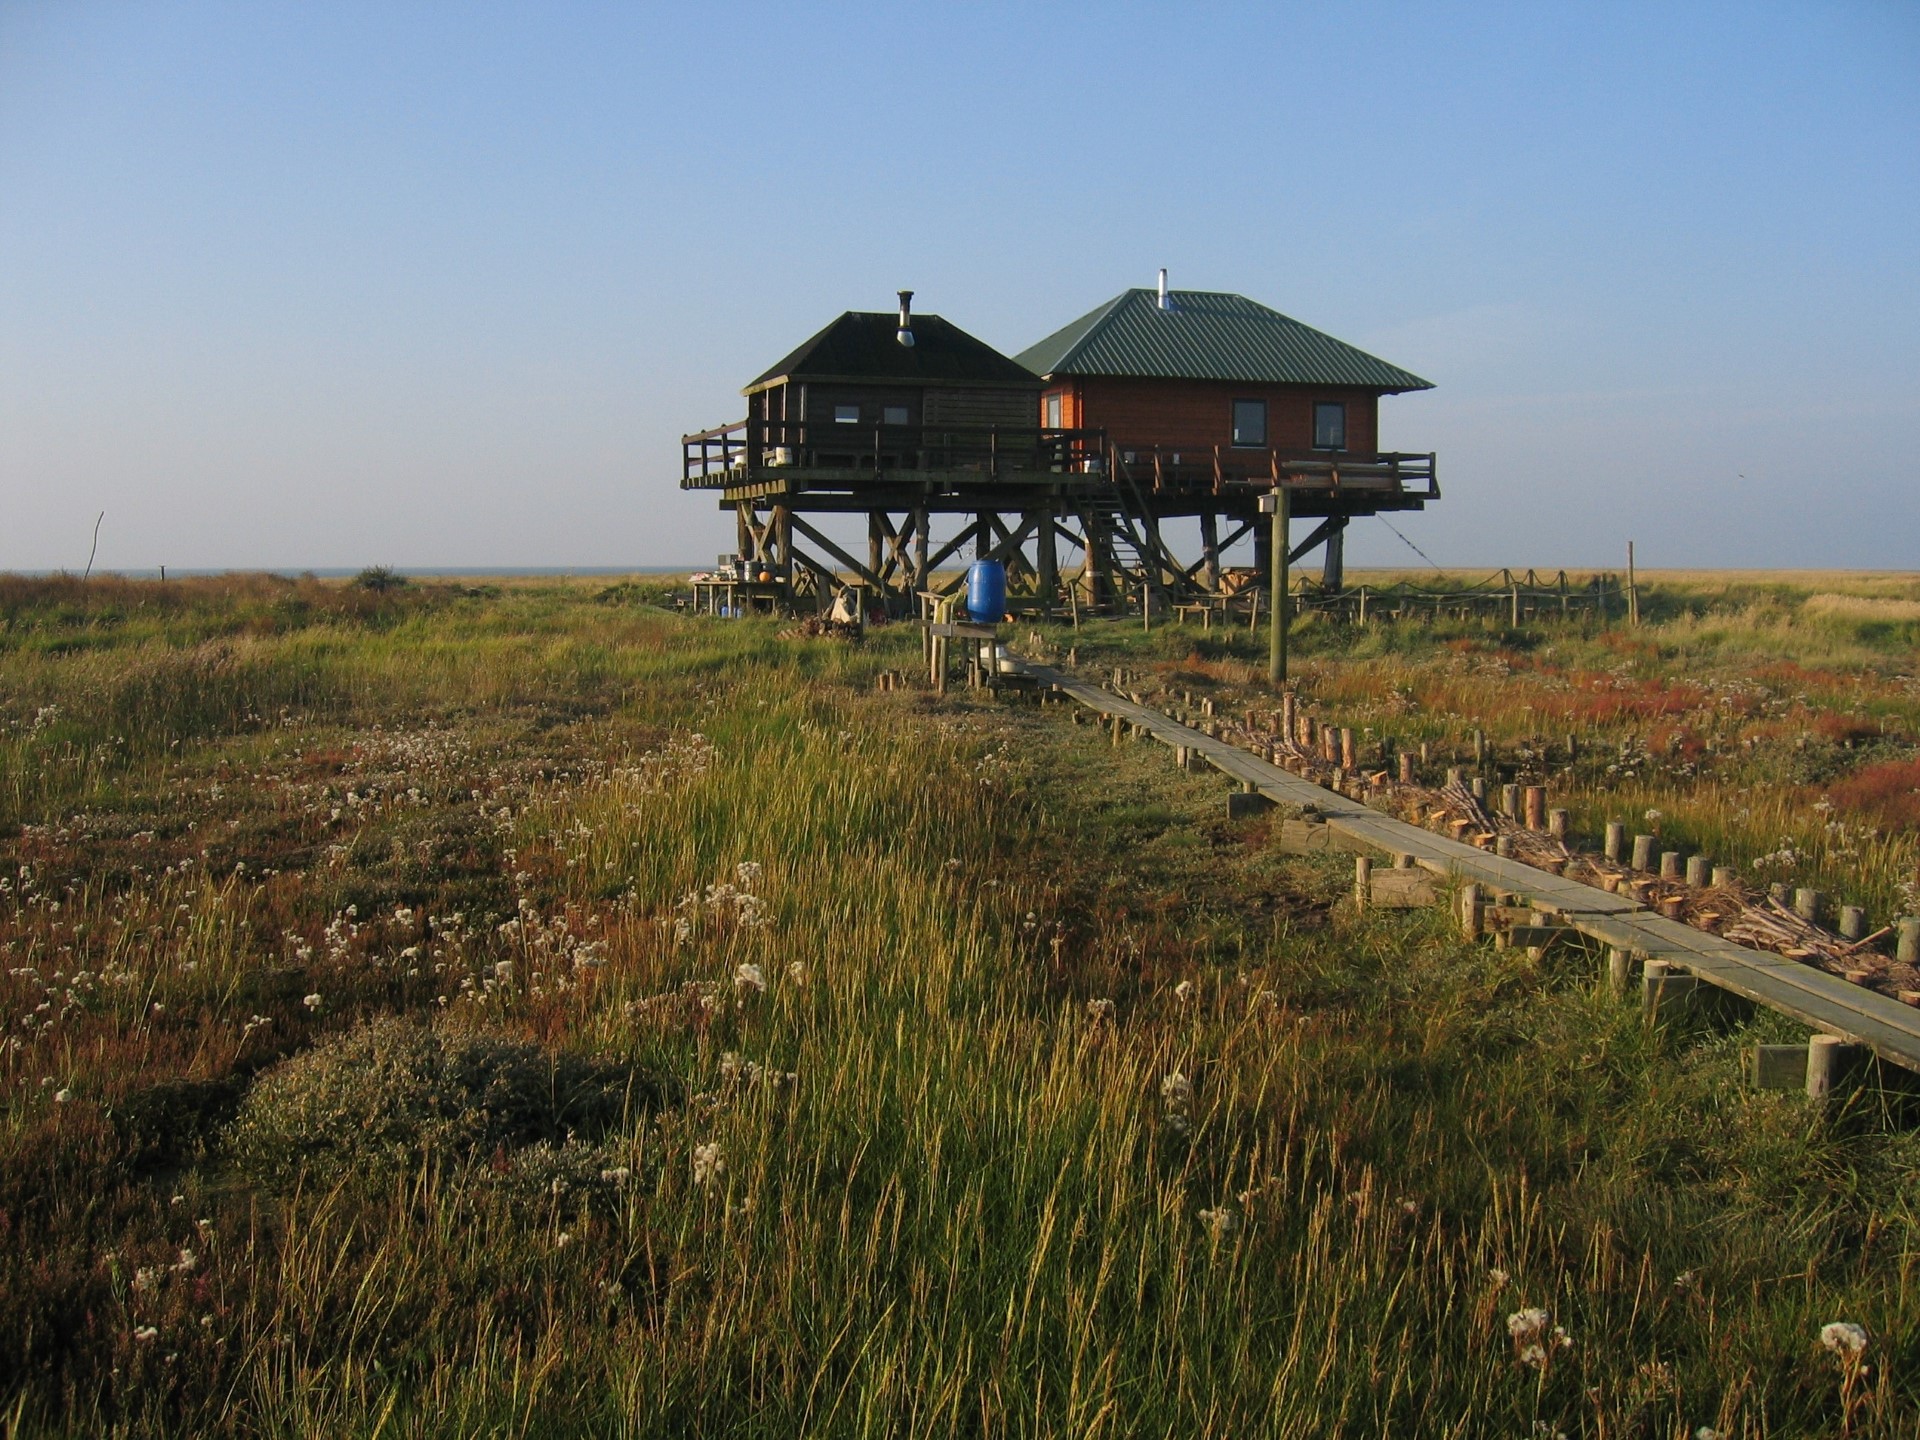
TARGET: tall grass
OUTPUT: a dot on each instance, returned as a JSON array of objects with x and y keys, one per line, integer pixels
[{"x": 1002, "y": 1088}]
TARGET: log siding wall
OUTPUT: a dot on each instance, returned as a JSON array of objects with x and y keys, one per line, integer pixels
[{"x": 1140, "y": 413}]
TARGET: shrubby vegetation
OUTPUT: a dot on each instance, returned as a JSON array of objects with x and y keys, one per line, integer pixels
[{"x": 445, "y": 1013}]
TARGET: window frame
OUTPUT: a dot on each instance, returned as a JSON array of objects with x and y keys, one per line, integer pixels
[
  {"x": 1323, "y": 405},
  {"x": 905, "y": 412},
  {"x": 1053, "y": 416},
  {"x": 1233, "y": 424},
  {"x": 841, "y": 417}
]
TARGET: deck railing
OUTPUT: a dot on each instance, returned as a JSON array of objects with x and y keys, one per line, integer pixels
[
  {"x": 754, "y": 449},
  {"x": 1207, "y": 468}
]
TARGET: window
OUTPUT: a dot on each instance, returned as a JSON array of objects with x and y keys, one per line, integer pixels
[
  {"x": 1249, "y": 422},
  {"x": 846, "y": 414},
  {"x": 1330, "y": 426},
  {"x": 1053, "y": 412},
  {"x": 893, "y": 415}
]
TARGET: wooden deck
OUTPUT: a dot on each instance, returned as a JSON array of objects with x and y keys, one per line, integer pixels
[{"x": 1825, "y": 1002}]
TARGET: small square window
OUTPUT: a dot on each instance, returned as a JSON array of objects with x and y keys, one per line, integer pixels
[
  {"x": 1053, "y": 412},
  {"x": 846, "y": 414},
  {"x": 1250, "y": 422},
  {"x": 1330, "y": 426},
  {"x": 893, "y": 415}
]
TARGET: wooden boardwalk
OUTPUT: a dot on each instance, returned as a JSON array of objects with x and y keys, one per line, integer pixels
[{"x": 1820, "y": 1000}]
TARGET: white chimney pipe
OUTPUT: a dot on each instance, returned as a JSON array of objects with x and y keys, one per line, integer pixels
[
  {"x": 905, "y": 334},
  {"x": 1165, "y": 304}
]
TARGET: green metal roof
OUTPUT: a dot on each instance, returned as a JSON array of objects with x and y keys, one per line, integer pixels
[{"x": 1206, "y": 335}]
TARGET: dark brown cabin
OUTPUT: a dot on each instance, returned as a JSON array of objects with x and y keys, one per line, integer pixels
[{"x": 877, "y": 392}]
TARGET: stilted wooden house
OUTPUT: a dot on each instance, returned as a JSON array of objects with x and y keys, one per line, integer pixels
[
  {"x": 1200, "y": 394},
  {"x": 1158, "y": 405}
]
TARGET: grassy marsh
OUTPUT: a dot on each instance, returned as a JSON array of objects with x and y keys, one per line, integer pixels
[{"x": 779, "y": 1057}]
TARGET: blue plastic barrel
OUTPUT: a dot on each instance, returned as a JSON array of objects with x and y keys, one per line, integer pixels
[{"x": 986, "y": 592}]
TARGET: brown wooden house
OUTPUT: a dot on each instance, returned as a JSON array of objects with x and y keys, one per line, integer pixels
[
  {"x": 877, "y": 392},
  {"x": 1209, "y": 376}
]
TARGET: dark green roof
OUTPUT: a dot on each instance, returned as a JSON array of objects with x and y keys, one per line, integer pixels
[
  {"x": 860, "y": 345},
  {"x": 1208, "y": 336}
]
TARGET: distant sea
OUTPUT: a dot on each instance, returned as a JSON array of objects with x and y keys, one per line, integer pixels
[{"x": 328, "y": 572}]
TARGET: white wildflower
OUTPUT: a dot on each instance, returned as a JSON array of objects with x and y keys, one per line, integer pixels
[
  {"x": 1843, "y": 1338},
  {"x": 145, "y": 1333},
  {"x": 1219, "y": 1222},
  {"x": 747, "y": 872},
  {"x": 1099, "y": 1010},
  {"x": 62, "y": 1096},
  {"x": 1183, "y": 992},
  {"x": 749, "y": 977},
  {"x": 707, "y": 1163},
  {"x": 1177, "y": 1090},
  {"x": 186, "y": 1262},
  {"x": 797, "y": 972},
  {"x": 312, "y": 1002}
]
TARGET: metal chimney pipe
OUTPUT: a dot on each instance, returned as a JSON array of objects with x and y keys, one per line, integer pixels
[
  {"x": 1165, "y": 304},
  {"x": 905, "y": 333}
]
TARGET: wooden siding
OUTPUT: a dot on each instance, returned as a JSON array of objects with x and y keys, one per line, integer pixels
[
  {"x": 1200, "y": 412},
  {"x": 980, "y": 406}
]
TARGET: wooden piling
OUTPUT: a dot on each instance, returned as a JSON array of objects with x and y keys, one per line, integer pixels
[
  {"x": 1853, "y": 922},
  {"x": 1643, "y": 852},
  {"x": 1406, "y": 767},
  {"x": 1616, "y": 844},
  {"x": 1669, "y": 864},
  {"x": 1907, "y": 947},
  {"x": 1807, "y": 904},
  {"x": 1472, "y": 919},
  {"x": 1534, "y": 798},
  {"x": 1362, "y": 881},
  {"x": 1826, "y": 1059},
  {"x": 1559, "y": 824},
  {"x": 1619, "y": 972}
]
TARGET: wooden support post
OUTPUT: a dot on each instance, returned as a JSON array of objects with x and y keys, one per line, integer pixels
[
  {"x": 1347, "y": 761},
  {"x": 1619, "y": 972},
  {"x": 1510, "y": 801},
  {"x": 1280, "y": 604},
  {"x": 1406, "y": 767},
  {"x": 1633, "y": 589},
  {"x": 1558, "y": 822},
  {"x": 1723, "y": 875},
  {"x": 1643, "y": 852},
  {"x": 1698, "y": 869},
  {"x": 1662, "y": 989},
  {"x": 1827, "y": 1056},
  {"x": 1907, "y": 946},
  {"x": 1808, "y": 904},
  {"x": 1534, "y": 797},
  {"x": 1853, "y": 922},
  {"x": 1048, "y": 554},
  {"x": 1472, "y": 916},
  {"x": 1479, "y": 747},
  {"x": 1477, "y": 787},
  {"x": 1210, "y": 551},
  {"x": 1362, "y": 882},
  {"x": 1616, "y": 843},
  {"x": 1669, "y": 864}
]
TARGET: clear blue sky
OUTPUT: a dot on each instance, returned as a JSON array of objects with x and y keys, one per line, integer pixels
[{"x": 334, "y": 284}]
